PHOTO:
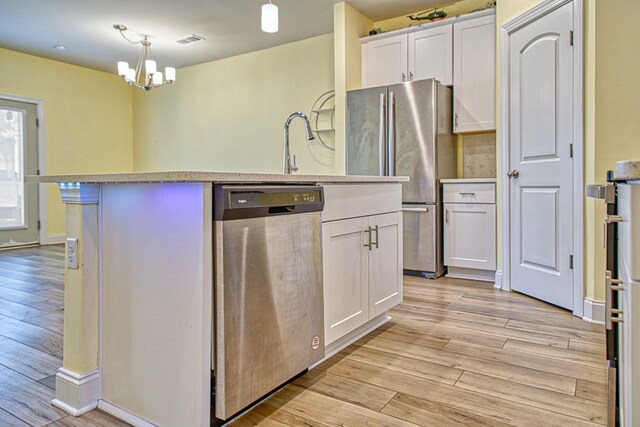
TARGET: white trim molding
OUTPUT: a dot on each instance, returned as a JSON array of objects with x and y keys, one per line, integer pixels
[
  {"x": 593, "y": 311},
  {"x": 77, "y": 393},
  {"x": 498, "y": 280},
  {"x": 506, "y": 30},
  {"x": 123, "y": 415},
  {"x": 76, "y": 193},
  {"x": 53, "y": 239}
]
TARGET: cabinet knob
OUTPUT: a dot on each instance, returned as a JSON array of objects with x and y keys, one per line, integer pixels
[
  {"x": 410, "y": 76},
  {"x": 404, "y": 77}
]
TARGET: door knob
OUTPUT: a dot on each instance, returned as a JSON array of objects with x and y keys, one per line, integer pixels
[{"x": 513, "y": 174}]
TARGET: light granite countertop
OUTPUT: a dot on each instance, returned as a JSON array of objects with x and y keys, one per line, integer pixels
[
  {"x": 627, "y": 170},
  {"x": 215, "y": 177}
]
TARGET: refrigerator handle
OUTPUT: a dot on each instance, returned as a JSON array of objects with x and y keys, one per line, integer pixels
[
  {"x": 391, "y": 157},
  {"x": 382, "y": 136}
]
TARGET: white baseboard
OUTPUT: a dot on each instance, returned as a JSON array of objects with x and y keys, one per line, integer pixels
[
  {"x": 593, "y": 311},
  {"x": 498, "y": 280},
  {"x": 471, "y": 274},
  {"x": 344, "y": 342},
  {"x": 123, "y": 415},
  {"x": 77, "y": 393},
  {"x": 53, "y": 239}
]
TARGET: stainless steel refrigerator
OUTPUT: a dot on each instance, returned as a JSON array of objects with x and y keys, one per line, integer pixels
[{"x": 405, "y": 129}]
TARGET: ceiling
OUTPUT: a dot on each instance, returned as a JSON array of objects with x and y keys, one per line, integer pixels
[{"x": 230, "y": 27}]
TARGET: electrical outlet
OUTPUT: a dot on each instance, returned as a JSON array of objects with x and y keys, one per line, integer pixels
[{"x": 72, "y": 253}]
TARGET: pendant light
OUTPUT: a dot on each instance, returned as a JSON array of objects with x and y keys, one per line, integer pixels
[{"x": 269, "y": 18}]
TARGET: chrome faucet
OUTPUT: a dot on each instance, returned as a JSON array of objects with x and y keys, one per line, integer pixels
[{"x": 289, "y": 166}]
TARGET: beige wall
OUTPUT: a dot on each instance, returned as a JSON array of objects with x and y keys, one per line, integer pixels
[
  {"x": 349, "y": 26},
  {"x": 228, "y": 115},
  {"x": 617, "y": 103},
  {"x": 87, "y": 119}
]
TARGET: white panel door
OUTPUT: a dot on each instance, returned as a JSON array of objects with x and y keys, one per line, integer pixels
[
  {"x": 541, "y": 112},
  {"x": 384, "y": 61},
  {"x": 431, "y": 54},
  {"x": 469, "y": 235},
  {"x": 385, "y": 262},
  {"x": 474, "y": 71},
  {"x": 346, "y": 281}
]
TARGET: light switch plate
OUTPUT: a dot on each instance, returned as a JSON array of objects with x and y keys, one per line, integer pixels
[{"x": 72, "y": 253}]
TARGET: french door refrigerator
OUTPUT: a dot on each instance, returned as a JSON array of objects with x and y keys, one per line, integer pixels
[{"x": 406, "y": 130}]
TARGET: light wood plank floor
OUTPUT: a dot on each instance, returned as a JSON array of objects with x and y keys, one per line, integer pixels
[{"x": 457, "y": 353}]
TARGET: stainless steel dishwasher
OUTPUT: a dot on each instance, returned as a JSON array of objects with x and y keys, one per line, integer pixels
[{"x": 268, "y": 320}]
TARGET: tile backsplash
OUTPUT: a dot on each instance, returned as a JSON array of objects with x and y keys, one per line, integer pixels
[{"x": 479, "y": 155}]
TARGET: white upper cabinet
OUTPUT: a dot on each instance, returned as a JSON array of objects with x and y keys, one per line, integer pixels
[
  {"x": 417, "y": 55},
  {"x": 431, "y": 54},
  {"x": 474, "y": 71},
  {"x": 384, "y": 61}
]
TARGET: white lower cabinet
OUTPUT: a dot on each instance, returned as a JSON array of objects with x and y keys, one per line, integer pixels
[
  {"x": 470, "y": 230},
  {"x": 362, "y": 256}
]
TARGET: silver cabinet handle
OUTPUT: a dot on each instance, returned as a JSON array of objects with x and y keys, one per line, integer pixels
[
  {"x": 446, "y": 216},
  {"x": 404, "y": 77},
  {"x": 455, "y": 121},
  {"x": 425, "y": 210},
  {"x": 513, "y": 174},
  {"x": 609, "y": 219},
  {"x": 410, "y": 76},
  {"x": 377, "y": 238},
  {"x": 369, "y": 245},
  {"x": 467, "y": 194},
  {"x": 611, "y": 285}
]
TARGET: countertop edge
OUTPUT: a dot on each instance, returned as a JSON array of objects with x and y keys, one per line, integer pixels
[
  {"x": 467, "y": 180},
  {"x": 214, "y": 177}
]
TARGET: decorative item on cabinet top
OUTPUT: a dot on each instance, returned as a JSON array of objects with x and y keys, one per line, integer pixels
[{"x": 322, "y": 120}]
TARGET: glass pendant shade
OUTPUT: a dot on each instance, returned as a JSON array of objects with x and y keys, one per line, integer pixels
[
  {"x": 269, "y": 18},
  {"x": 150, "y": 66},
  {"x": 170, "y": 74},
  {"x": 157, "y": 78},
  {"x": 131, "y": 75},
  {"x": 123, "y": 67}
]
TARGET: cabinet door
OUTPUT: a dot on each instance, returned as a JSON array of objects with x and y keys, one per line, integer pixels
[
  {"x": 346, "y": 292},
  {"x": 474, "y": 69},
  {"x": 384, "y": 61},
  {"x": 385, "y": 262},
  {"x": 431, "y": 54},
  {"x": 470, "y": 236}
]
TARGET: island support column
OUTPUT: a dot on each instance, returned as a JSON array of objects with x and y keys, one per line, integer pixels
[{"x": 78, "y": 380}]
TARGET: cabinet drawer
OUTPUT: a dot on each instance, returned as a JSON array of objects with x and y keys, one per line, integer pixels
[
  {"x": 481, "y": 192},
  {"x": 342, "y": 201}
]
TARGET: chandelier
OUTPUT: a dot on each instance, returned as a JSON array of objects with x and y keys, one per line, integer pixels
[{"x": 146, "y": 75}]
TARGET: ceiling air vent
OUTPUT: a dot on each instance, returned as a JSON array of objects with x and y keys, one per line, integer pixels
[{"x": 190, "y": 39}]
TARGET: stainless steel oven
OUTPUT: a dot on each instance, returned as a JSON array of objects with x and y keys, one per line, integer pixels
[
  {"x": 608, "y": 193},
  {"x": 268, "y": 301}
]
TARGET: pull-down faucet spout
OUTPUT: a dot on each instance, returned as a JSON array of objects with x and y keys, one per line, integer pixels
[{"x": 289, "y": 166}]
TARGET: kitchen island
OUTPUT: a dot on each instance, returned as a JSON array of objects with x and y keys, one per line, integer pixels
[{"x": 139, "y": 278}]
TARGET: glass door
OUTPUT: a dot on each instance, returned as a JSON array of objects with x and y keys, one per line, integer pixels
[{"x": 18, "y": 157}]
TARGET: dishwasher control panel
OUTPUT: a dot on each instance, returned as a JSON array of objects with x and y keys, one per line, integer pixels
[{"x": 249, "y": 201}]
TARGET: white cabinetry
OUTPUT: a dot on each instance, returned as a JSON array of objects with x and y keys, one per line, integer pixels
[
  {"x": 629, "y": 302},
  {"x": 418, "y": 55},
  {"x": 470, "y": 229},
  {"x": 362, "y": 255},
  {"x": 474, "y": 70},
  {"x": 384, "y": 61}
]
